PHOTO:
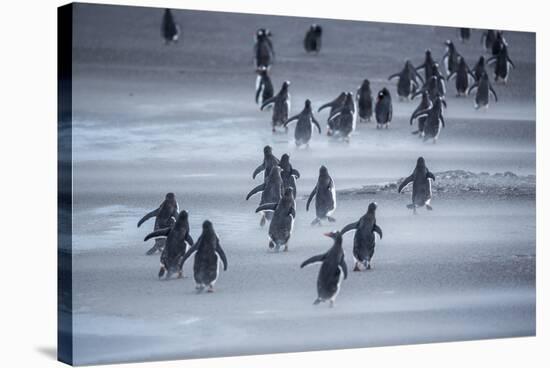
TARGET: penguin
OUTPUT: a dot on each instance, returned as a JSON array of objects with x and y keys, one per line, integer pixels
[
  {"x": 284, "y": 213},
  {"x": 488, "y": 37},
  {"x": 364, "y": 102},
  {"x": 177, "y": 238},
  {"x": 422, "y": 187},
  {"x": 464, "y": 34},
  {"x": 305, "y": 120},
  {"x": 434, "y": 119},
  {"x": 428, "y": 64},
  {"x": 281, "y": 106},
  {"x": 450, "y": 58},
  {"x": 337, "y": 103},
  {"x": 208, "y": 255},
  {"x": 462, "y": 77},
  {"x": 479, "y": 69},
  {"x": 312, "y": 41},
  {"x": 441, "y": 88},
  {"x": 503, "y": 64},
  {"x": 165, "y": 216},
  {"x": 364, "y": 239},
  {"x": 263, "y": 49},
  {"x": 272, "y": 190},
  {"x": 407, "y": 83},
  {"x": 425, "y": 104},
  {"x": 264, "y": 87},
  {"x": 484, "y": 89},
  {"x": 435, "y": 86},
  {"x": 288, "y": 173},
  {"x": 333, "y": 270},
  {"x": 269, "y": 161},
  {"x": 383, "y": 109},
  {"x": 498, "y": 44},
  {"x": 170, "y": 29},
  {"x": 345, "y": 117},
  {"x": 325, "y": 197}
]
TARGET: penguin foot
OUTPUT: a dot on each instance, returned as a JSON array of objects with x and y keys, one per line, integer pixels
[
  {"x": 199, "y": 288},
  {"x": 316, "y": 221},
  {"x": 161, "y": 272},
  {"x": 331, "y": 219},
  {"x": 210, "y": 289},
  {"x": 331, "y": 304},
  {"x": 271, "y": 245},
  {"x": 429, "y": 207},
  {"x": 369, "y": 267},
  {"x": 180, "y": 274},
  {"x": 356, "y": 268},
  {"x": 152, "y": 251},
  {"x": 415, "y": 132},
  {"x": 262, "y": 221},
  {"x": 317, "y": 301},
  {"x": 410, "y": 206},
  {"x": 285, "y": 249}
]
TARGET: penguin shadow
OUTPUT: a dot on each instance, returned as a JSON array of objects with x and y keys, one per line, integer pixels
[{"x": 49, "y": 352}]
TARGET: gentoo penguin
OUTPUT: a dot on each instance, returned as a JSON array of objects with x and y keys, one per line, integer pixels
[
  {"x": 428, "y": 64},
  {"x": 462, "y": 77},
  {"x": 208, "y": 254},
  {"x": 450, "y": 58},
  {"x": 383, "y": 109},
  {"x": 364, "y": 239},
  {"x": 272, "y": 190},
  {"x": 165, "y": 216},
  {"x": 281, "y": 106},
  {"x": 422, "y": 187},
  {"x": 484, "y": 88},
  {"x": 333, "y": 270},
  {"x": 263, "y": 49},
  {"x": 342, "y": 120},
  {"x": 337, "y": 103},
  {"x": 425, "y": 104},
  {"x": 312, "y": 41},
  {"x": 305, "y": 120},
  {"x": 406, "y": 84},
  {"x": 325, "y": 197},
  {"x": 282, "y": 222},
  {"x": 498, "y": 44},
  {"x": 503, "y": 64},
  {"x": 434, "y": 119},
  {"x": 364, "y": 102},
  {"x": 464, "y": 34},
  {"x": 264, "y": 87},
  {"x": 435, "y": 86},
  {"x": 269, "y": 161},
  {"x": 488, "y": 37},
  {"x": 479, "y": 69},
  {"x": 288, "y": 174},
  {"x": 170, "y": 29},
  {"x": 177, "y": 238}
]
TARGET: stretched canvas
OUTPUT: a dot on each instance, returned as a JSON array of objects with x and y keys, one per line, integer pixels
[{"x": 301, "y": 184}]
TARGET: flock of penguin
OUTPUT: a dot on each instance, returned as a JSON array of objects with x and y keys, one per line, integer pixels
[{"x": 278, "y": 190}]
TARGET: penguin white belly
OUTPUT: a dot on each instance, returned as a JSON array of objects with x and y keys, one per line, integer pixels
[
  {"x": 333, "y": 194},
  {"x": 217, "y": 269},
  {"x": 340, "y": 278}
]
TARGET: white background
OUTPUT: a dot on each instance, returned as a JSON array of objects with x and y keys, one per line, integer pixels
[{"x": 28, "y": 181}]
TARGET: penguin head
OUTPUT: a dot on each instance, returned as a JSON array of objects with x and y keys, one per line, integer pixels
[
  {"x": 481, "y": 60},
  {"x": 336, "y": 235},
  {"x": 323, "y": 170},
  {"x": 428, "y": 54},
  {"x": 484, "y": 77},
  {"x": 308, "y": 104},
  {"x": 170, "y": 196},
  {"x": 420, "y": 162},
  {"x": 183, "y": 215},
  {"x": 207, "y": 226},
  {"x": 267, "y": 150},
  {"x": 285, "y": 160},
  {"x": 366, "y": 83},
  {"x": 372, "y": 207},
  {"x": 285, "y": 85}
]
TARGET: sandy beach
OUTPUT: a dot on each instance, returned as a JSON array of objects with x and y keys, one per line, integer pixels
[{"x": 150, "y": 119}]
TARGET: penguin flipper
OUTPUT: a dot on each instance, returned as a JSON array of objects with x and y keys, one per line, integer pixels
[
  {"x": 324, "y": 106},
  {"x": 349, "y": 227},
  {"x": 344, "y": 267},
  {"x": 267, "y": 102},
  {"x": 316, "y": 123},
  {"x": 491, "y": 60},
  {"x": 429, "y": 175},
  {"x": 296, "y": 173},
  {"x": 258, "y": 189},
  {"x": 405, "y": 182},
  {"x": 335, "y": 113},
  {"x": 295, "y": 117},
  {"x": 378, "y": 230},
  {"x": 511, "y": 62},
  {"x": 153, "y": 213},
  {"x": 394, "y": 76},
  {"x": 258, "y": 170},
  {"x": 317, "y": 258},
  {"x": 188, "y": 239},
  {"x": 313, "y": 192},
  {"x": 493, "y": 93},
  {"x": 190, "y": 251},
  {"x": 292, "y": 212},
  {"x": 221, "y": 254},
  {"x": 451, "y": 76},
  {"x": 474, "y": 86},
  {"x": 157, "y": 233},
  {"x": 267, "y": 207},
  {"x": 442, "y": 120}
]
